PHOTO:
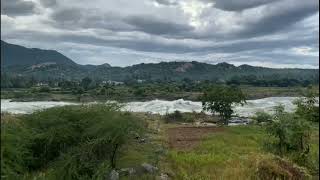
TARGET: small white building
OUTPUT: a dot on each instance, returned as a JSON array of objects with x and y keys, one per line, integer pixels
[
  {"x": 41, "y": 84},
  {"x": 112, "y": 82},
  {"x": 140, "y": 81}
]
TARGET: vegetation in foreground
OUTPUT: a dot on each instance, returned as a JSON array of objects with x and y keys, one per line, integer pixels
[
  {"x": 237, "y": 153},
  {"x": 279, "y": 146},
  {"x": 87, "y": 142},
  {"x": 75, "y": 142}
]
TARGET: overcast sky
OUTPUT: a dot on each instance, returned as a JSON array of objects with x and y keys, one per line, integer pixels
[{"x": 271, "y": 33}]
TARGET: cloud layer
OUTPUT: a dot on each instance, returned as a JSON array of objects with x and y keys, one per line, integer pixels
[{"x": 273, "y": 33}]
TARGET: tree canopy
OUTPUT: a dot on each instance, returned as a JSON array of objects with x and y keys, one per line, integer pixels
[{"x": 220, "y": 99}]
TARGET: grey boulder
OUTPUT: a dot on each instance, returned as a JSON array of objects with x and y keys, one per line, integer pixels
[{"x": 149, "y": 168}]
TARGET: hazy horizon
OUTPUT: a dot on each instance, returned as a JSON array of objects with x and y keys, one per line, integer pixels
[{"x": 267, "y": 33}]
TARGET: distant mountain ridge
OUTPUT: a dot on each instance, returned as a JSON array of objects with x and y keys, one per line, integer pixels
[
  {"x": 15, "y": 55},
  {"x": 49, "y": 64}
]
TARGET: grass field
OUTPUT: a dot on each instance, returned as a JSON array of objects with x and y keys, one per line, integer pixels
[{"x": 234, "y": 153}]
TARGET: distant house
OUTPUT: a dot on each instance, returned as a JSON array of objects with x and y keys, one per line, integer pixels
[
  {"x": 140, "y": 81},
  {"x": 41, "y": 84},
  {"x": 112, "y": 82}
]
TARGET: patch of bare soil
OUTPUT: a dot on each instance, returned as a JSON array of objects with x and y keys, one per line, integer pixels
[{"x": 186, "y": 138}]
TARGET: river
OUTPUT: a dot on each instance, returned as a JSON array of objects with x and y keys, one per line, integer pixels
[{"x": 158, "y": 106}]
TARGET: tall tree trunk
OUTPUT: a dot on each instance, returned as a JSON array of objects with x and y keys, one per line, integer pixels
[
  {"x": 301, "y": 143},
  {"x": 113, "y": 156}
]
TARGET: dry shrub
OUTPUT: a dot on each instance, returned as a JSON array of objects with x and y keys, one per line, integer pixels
[{"x": 277, "y": 168}]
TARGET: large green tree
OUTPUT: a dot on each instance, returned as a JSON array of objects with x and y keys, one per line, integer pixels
[
  {"x": 292, "y": 133},
  {"x": 85, "y": 83},
  {"x": 308, "y": 106},
  {"x": 220, "y": 99}
]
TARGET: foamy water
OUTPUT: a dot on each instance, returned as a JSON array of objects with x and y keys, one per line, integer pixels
[
  {"x": 249, "y": 109},
  {"x": 29, "y": 107},
  {"x": 158, "y": 106}
]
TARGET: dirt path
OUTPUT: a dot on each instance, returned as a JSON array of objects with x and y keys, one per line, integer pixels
[{"x": 186, "y": 138}]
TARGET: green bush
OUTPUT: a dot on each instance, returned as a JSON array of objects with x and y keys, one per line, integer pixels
[
  {"x": 262, "y": 116},
  {"x": 72, "y": 142},
  {"x": 44, "y": 89},
  {"x": 292, "y": 134},
  {"x": 14, "y": 152},
  {"x": 307, "y": 109},
  {"x": 177, "y": 116}
]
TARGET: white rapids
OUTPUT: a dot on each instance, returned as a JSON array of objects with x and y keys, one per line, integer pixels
[
  {"x": 29, "y": 107},
  {"x": 249, "y": 109},
  {"x": 158, "y": 106}
]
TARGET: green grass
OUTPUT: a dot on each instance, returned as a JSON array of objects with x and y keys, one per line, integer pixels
[{"x": 231, "y": 154}]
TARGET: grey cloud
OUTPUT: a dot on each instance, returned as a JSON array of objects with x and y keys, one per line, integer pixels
[
  {"x": 235, "y": 47},
  {"x": 48, "y": 3},
  {"x": 167, "y": 2},
  {"x": 254, "y": 51},
  {"x": 73, "y": 18},
  {"x": 263, "y": 29},
  {"x": 68, "y": 15},
  {"x": 152, "y": 45},
  {"x": 80, "y": 18},
  {"x": 153, "y": 25},
  {"x": 238, "y": 5},
  {"x": 278, "y": 17},
  {"x": 108, "y": 21},
  {"x": 17, "y": 7}
]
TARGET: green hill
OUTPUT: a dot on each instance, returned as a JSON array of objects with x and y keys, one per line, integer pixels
[
  {"x": 15, "y": 55},
  {"x": 49, "y": 64}
]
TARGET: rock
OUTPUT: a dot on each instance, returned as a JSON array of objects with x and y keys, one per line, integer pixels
[
  {"x": 114, "y": 175},
  {"x": 263, "y": 123},
  {"x": 142, "y": 140},
  {"x": 127, "y": 171},
  {"x": 149, "y": 168},
  {"x": 136, "y": 136},
  {"x": 160, "y": 150},
  {"x": 164, "y": 176}
]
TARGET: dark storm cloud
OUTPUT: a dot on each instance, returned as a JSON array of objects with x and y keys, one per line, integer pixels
[
  {"x": 153, "y": 25},
  {"x": 167, "y": 2},
  {"x": 73, "y": 18},
  {"x": 80, "y": 18},
  {"x": 72, "y": 15},
  {"x": 48, "y": 3},
  {"x": 238, "y": 5},
  {"x": 281, "y": 16},
  {"x": 17, "y": 7},
  {"x": 161, "y": 46}
]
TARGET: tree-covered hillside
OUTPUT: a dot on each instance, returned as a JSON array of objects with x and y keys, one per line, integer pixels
[
  {"x": 15, "y": 55},
  {"x": 44, "y": 65}
]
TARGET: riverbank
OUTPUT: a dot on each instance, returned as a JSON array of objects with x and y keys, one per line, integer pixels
[{"x": 126, "y": 94}]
